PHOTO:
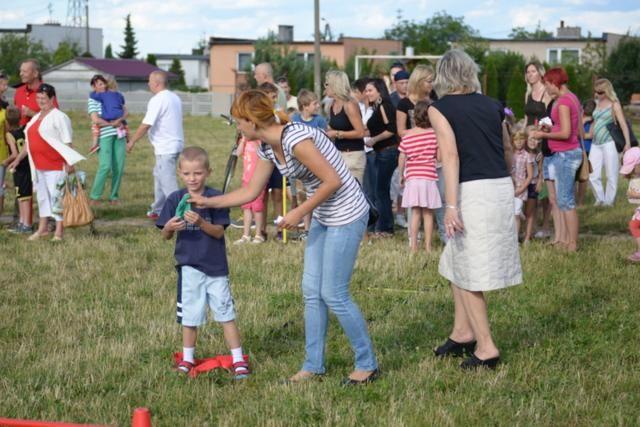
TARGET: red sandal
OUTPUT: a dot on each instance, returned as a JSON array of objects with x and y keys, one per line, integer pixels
[
  {"x": 241, "y": 370},
  {"x": 185, "y": 367}
]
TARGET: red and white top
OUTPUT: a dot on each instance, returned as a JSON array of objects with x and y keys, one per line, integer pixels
[{"x": 421, "y": 150}]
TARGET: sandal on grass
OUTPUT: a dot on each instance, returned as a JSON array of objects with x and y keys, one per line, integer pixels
[
  {"x": 240, "y": 370},
  {"x": 185, "y": 366}
]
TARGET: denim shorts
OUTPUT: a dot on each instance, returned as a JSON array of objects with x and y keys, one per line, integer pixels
[
  {"x": 566, "y": 164},
  {"x": 196, "y": 291},
  {"x": 548, "y": 169}
]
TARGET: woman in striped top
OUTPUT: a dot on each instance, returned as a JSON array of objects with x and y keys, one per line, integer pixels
[
  {"x": 603, "y": 152},
  {"x": 340, "y": 214},
  {"x": 417, "y": 169}
]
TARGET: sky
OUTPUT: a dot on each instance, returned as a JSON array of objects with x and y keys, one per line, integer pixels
[{"x": 175, "y": 26}]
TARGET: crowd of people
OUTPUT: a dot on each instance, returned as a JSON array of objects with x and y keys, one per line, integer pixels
[{"x": 426, "y": 141}]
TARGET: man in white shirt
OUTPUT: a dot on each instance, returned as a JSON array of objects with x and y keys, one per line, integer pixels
[{"x": 163, "y": 123}]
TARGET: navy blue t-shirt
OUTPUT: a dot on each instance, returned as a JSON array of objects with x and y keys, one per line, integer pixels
[
  {"x": 112, "y": 104},
  {"x": 194, "y": 247}
]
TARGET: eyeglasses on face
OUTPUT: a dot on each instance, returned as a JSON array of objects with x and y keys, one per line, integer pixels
[{"x": 599, "y": 92}]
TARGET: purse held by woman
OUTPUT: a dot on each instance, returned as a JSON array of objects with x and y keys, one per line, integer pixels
[
  {"x": 76, "y": 209},
  {"x": 618, "y": 137}
]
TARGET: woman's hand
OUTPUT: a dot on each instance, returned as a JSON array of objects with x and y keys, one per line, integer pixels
[
  {"x": 202, "y": 202},
  {"x": 69, "y": 169},
  {"x": 290, "y": 220},
  {"x": 538, "y": 134},
  {"x": 332, "y": 134},
  {"x": 369, "y": 142},
  {"x": 452, "y": 221}
]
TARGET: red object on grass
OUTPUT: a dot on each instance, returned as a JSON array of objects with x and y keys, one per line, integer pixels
[
  {"x": 208, "y": 364},
  {"x": 8, "y": 422},
  {"x": 141, "y": 418}
]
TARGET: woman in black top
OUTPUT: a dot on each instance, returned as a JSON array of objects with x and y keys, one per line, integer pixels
[
  {"x": 420, "y": 88},
  {"x": 384, "y": 140},
  {"x": 345, "y": 122},
  {"x": 536, "y": 98},
  {"x": 482, "y": 251}
]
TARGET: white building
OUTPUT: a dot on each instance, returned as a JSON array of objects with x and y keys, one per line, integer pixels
[
  {"x": 196, "y": 67},
  {"x": 51, "y": 35}
]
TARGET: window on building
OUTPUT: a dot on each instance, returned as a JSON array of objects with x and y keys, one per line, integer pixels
[
  {"x": 244, "y": 61},
  {"x": 563, "y": 56}
]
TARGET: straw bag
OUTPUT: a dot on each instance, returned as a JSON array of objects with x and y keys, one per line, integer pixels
[{"x": 76, "y": 209}]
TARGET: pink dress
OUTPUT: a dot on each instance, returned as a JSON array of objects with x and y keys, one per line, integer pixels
[
  {"x": 420, "y": 188},
  {"x": 249, "y": 163},
  {"x": 519, "y": 170}
]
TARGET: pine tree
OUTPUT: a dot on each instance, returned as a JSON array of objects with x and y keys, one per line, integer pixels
[
  {"x": 492, "y": 80},
  {"x": 516, "y": 92},
  {"x": 176, "y": 68},
  {"x": 108, "y": 52},
  {"x": 151, "y": 59},
  {"x": 129, "y": 48}
]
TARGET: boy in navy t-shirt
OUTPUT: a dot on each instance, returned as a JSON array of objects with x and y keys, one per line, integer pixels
[{"x": 201, "y": 261}]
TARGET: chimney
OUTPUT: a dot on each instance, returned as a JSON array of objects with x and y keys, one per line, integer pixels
[
  {"x": 285, "y": 33},
  {"x": 568, "y": 32}
]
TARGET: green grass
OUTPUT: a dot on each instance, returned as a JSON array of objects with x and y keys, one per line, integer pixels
[{"x": 87, "y": 328}]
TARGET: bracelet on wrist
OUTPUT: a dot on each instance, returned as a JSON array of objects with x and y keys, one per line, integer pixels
[{"x": 451, "y": 207}]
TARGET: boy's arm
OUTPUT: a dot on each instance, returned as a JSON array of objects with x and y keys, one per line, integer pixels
[
  {"x": 214, "y": 230},
  {"x": 13, "y": 149}
]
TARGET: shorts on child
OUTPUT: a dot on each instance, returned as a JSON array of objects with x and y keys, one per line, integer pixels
[
  {"x": 634, "y": 228},
  {"x": 531, "y": 192},
  {"x": 256, "y": 205},
  {"x": 421, "y": 193},
  {"x": 517, "y": 205},
  {"x": 275, "y": 180},
  {"x": 22, "y": 180},
  {"x": 196, "y": 291}
]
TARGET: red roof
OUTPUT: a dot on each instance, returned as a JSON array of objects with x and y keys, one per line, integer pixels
[{"x": 119, "y": 68}]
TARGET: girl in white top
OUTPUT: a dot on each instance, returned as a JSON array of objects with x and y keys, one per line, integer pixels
[{"x": 340, "y": 214}]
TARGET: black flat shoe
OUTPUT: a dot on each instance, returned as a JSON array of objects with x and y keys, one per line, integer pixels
[
  {"x": 371, "y": 378},
  {"x": 474, "y": 363},
  {"x": 455, "y": 349}
]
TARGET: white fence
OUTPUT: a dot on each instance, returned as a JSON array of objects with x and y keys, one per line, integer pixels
[{"x": 195, "y": 104}]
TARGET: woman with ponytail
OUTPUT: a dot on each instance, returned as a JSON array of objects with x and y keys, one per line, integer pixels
[{"x": 340, "y": 214}]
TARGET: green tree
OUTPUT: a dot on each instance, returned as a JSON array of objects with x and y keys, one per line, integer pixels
[
  {"x": 516, "y": 92},
  {"x": 521, "y": 33},
  {"x": 65, "y": 52},
  {"x": 432, "y": 36},
  {"x": 151, "y": 59},
  {"x": 623, "y": 68},
  {"x": 504, "y": 63},
  {"x": 108, "y": 51},
  {"x": 129, "y": 49},
  {"x": 491, "y": 80},
  {"x": 15, "y": 48},
  {"x": 176, "y": 68}
]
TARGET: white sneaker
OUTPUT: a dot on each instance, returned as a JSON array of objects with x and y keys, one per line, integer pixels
[
  {"x": 242, "y": 240},
  {"x": 401, "y": 221},
  {"x": 542, "y": 234}
]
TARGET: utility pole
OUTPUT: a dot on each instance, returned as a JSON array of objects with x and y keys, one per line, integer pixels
[
  {"x": 86, "y": 9},
  {"x": 317, "y": 58}
]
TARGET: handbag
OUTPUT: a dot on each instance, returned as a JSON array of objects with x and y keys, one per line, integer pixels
[
  {"x": 76, "y": 210},
  {"x": 618, "y": 137},
  {"x": 585, "y": 169}
]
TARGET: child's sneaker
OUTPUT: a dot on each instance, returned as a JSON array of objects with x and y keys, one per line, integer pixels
[
  {"x": 185, "y": 367},
  {"x": 240, "y": 370},
  {"x": 634, "y": 257}
]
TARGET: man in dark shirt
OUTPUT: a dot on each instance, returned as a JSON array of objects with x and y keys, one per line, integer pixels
[{"x": 401, "y": 83}]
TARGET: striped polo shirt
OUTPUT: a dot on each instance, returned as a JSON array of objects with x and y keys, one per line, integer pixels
[
  {"x": 344, "y": 206},
  {"x": 96, "y": 107},
  {"x": 421, "y": 150}
]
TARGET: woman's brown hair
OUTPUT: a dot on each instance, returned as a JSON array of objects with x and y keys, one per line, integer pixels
[{"x": 257, "y": 107}]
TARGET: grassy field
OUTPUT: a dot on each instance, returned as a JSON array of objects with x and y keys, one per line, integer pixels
[{"x": 88, "y": 330}]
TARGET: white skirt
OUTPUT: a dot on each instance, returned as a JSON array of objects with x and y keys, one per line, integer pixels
[{"x": 485, "y": 256}]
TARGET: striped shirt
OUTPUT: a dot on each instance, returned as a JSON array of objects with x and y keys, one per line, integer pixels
[
  {"x": 601, "y": 118},
  {"x": 96, "y": 107},
  {"x": 344, "y": 206},
  {"x": 421, "y": 150}
]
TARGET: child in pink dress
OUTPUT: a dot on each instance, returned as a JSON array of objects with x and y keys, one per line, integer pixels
[
  {"x": 253, "y": 210},
  {"x": 417, "y": 170},
  {"x": 521, "y": 173}
]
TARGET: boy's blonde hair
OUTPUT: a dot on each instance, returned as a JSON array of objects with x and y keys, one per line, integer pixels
[
  {"x": 191, "y": 154},
  {"x": 306, "y": 97}
]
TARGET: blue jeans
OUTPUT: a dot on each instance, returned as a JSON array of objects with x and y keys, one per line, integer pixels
[
  {"x": 369, "y": 184},
  {"x": 386, "y": 162},
  {"x": 566, "y": 164},
  {"x": 329, "y": 258}
]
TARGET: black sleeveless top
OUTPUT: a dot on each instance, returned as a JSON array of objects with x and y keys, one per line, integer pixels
[
  {"x": 341, "y": 122},
  {"x": 534, "y": 110}
]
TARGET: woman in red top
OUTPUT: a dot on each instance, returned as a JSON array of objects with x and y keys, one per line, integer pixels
[{"x": 48, "y": 142}]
